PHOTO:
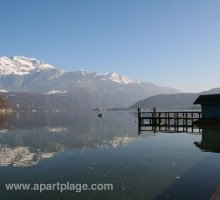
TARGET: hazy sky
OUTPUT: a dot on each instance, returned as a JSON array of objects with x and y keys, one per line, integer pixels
[{"x": 168, "y": 42}]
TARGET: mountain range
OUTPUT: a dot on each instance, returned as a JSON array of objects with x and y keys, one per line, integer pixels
[
  {"x": 180, "y": 101},
  {"x": 31, "y": 84}
]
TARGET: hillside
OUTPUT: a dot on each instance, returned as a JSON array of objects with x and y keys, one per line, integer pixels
[{"x": 180, "y": 101}]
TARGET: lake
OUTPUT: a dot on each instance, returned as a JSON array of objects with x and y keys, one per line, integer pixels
[{"x": 80, "y": 148}]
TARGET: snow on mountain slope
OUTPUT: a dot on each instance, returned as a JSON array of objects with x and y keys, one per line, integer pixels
[
  {"x": 115, "y": 78},
  {"x": 55, "y": 92},
  {"x": 20, "y": 65},
  {"x": 33, "y": 84},
  {"x": 81, "y": 88}
]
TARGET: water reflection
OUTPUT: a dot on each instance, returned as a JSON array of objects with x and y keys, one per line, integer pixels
[
  {"x": 169, "y": 129},
  {"x": 83, "y": 148},
  {"x": 27, "y": 138},
  {"x": 202, "y": 180},
  {"x": 21, "y": 156},
  {"x": 4, "y": 117},
  {"x": 210, "y": 139}
]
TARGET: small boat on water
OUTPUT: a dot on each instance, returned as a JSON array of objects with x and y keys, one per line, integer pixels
[{"x": 100, "y": 115}]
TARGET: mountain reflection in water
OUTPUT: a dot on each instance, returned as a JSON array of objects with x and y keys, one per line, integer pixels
[
  {"x": 83, "y": 148},
  {"x": 27, "y": 138}
]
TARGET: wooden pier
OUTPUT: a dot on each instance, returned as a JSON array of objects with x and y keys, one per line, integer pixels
[{"x": 179, "y": 121}]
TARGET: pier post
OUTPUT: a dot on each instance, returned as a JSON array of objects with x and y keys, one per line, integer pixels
[
  {"x": 154, "y": 116},
  {"x": 139, "y": 120}
]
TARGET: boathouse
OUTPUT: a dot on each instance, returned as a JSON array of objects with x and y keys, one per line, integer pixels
[{"x": 210, "y": 105}]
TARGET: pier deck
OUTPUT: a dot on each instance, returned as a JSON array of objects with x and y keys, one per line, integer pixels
[{"x": 178, "y": 120}]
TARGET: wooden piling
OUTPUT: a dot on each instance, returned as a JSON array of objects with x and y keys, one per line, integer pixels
[{"x": 178, "y": 120}]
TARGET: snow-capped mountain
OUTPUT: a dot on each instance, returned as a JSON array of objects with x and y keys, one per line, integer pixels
[
  {"x": 20, "y": 65},
  {"x": 81, "y": 88},
  {"x": 118, "y": 78}
]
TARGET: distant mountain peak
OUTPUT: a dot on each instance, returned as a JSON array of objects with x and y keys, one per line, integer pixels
[
  {"x": 115, "y": 78},
  {"x": 20, "y": 65},
  {"x": 119, "y": 78}
]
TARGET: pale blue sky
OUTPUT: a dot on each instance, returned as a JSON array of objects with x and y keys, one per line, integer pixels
[{"x": 168, "y": 42}]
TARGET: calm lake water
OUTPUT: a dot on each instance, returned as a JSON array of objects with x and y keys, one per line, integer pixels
[{"x": 81, "y": 148}]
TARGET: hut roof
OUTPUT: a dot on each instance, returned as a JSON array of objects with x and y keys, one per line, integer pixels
[{"x": 208, "y": 99}]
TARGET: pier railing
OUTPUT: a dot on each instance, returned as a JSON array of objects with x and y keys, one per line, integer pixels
[{"x": 175, "y": 120}]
